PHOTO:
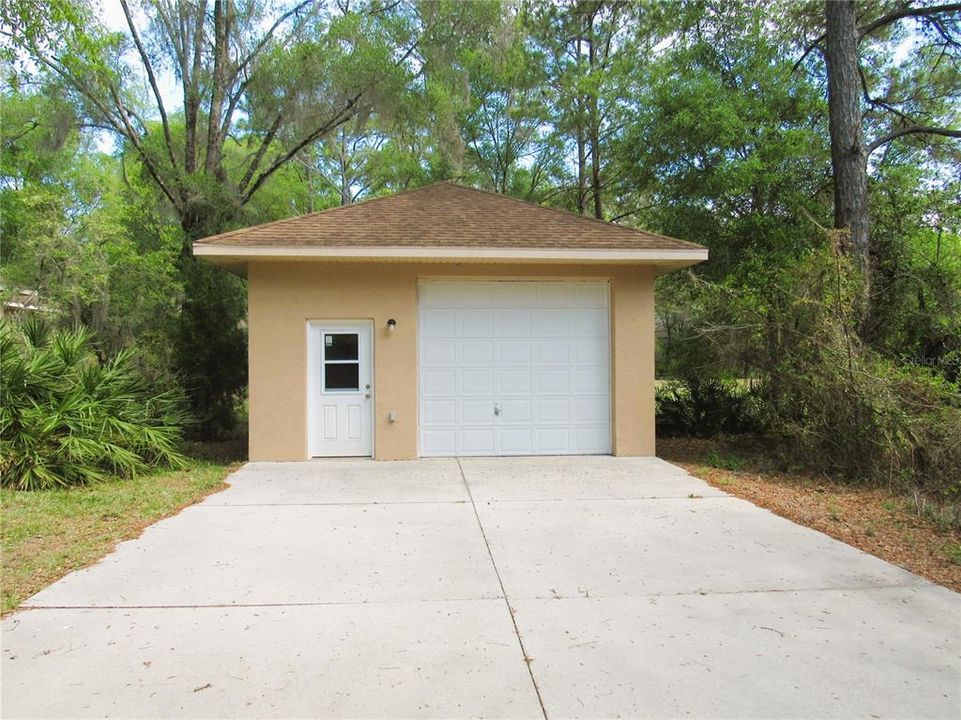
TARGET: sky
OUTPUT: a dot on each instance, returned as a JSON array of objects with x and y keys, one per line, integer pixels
[{"x": 111, "y": 13}]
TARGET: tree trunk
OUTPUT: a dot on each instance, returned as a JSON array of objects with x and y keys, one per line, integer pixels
[
  {"x": 848, "y": 156},
  {"x": 594, "y": 126},
  {"x": 596, "y": 164},
  {"x": 581, "y": 143},
  {"x": 581, "y": 167}
]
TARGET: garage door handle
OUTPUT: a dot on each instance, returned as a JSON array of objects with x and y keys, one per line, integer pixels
[{"x": 497, "y": 409}]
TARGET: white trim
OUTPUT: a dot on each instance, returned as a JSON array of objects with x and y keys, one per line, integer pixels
[{"x": 247, "y": 251}]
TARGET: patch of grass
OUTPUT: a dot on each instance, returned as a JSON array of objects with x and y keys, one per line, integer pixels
[
  {"x": 725, "y": 461},
  {"x": 952, "y": 551},
  {"x": 46, "y": 534},
  {"x": 834, "y": 511},
  {"x": 944, "y": 515}
]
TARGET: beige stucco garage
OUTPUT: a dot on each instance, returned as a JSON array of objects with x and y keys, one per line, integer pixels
[{"x": 449, "y": 321}]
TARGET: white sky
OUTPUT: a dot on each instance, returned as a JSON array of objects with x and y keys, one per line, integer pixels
[{"x": 111, "y": 14}]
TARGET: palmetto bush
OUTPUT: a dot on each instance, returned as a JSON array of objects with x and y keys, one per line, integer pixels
[{"x": 69, "y": 418}]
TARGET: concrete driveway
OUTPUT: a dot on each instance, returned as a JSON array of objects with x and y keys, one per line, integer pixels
[{"x": 532, "y": 587}]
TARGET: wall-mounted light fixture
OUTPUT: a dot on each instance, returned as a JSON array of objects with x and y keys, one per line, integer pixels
[{"x": 391, "y": 324}]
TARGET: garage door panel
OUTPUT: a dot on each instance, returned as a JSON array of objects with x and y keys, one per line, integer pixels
[
  {"x": 552, "y": 323},
  {"x": 473, "y": 295},
  {"x": 437, "y": 323},
  {"x": 514, "y": 382},
  {"x": 475, "y": 382},
  {"x": 551, "y": 382},
  {"x": 552, "y": 294},
  {"x": 512, "y": 323},
  {"x": 594, "y": 410},
  {"x": 590, "y": 440},
  {"x": 515, "y": 294},
  {"x": 515, "y": 441},
  {"x": 537, "y": 351},
  {"x": 477, "y": 441},
  {"x": 475, "y": 353},
  {"x": 589, "y": 381},
  {"x": 553, "y": 440},
  {"x": 437, "y": 353},
  {"x": 438, "y": 382},
  {"x": 513, "y": 352},
  {"x": 475, "y": 323},
  {"x": 590, "y": 294},
  {"x": 439, "y": 412},
  {"x": 590, "y": 352},
  {"x": 550, "y": 411},
  {"x": 438, "y": 441},
  {"x": 592, "y": 322},
  {"x": 476, "y": 412},
  {"x": 514, "y": 411},
  {"x": 551, "y": 352}
]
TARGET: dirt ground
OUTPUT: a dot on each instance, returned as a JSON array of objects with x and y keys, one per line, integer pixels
[{"x": 876, "y": 520}]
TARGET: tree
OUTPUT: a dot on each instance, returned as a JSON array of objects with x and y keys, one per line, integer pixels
[
  {"x": 848, "y": 90},
  {"x": 284, "y": 80},
  {"x": 594, "y": 51},
  {"x": 505, "y": 125}
]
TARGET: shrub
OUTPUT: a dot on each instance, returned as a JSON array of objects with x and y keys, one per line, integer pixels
[
  {"x": 699, "y": 407},
  {"x": 68, "y": 418},
  {"x": 865, "y": 418}
]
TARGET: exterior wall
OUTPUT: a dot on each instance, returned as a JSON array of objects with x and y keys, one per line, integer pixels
[{"x": 284, "y": 296}]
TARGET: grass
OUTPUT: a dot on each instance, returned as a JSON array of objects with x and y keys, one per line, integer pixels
[
  {"x": 904, "y": 530},
  {"x": 47, "y": 534}
]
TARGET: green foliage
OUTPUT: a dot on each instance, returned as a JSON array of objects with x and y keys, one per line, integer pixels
[
  {"x": 833, "y": 402},
  {"x": 725, "y": 461},
  {"x": 69, "y": 418},
  {"x": 699, "y": 407},
  {"x": 210, "y": 346},
  {"x": 850, "y": 413}
]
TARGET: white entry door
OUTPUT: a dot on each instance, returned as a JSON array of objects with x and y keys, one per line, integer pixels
[
  {"x": 340, "y": 389},
  {"x": 514, "y": 368}
]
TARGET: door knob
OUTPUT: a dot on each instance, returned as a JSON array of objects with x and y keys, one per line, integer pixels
[{"x": 497, "y": 409}]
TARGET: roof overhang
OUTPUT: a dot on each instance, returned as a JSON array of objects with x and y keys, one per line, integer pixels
[{"x": 236, "y": 257}]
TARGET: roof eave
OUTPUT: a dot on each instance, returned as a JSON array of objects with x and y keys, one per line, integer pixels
[{"x": 235, "y": 257}]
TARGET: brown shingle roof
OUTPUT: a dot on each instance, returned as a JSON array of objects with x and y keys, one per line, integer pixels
[{"x": 445, "y": 215}]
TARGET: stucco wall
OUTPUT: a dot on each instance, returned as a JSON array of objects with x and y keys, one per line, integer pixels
[{"x": 284, "y": 296}]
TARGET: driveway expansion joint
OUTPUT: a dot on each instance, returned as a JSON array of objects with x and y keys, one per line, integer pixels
[
  {"x": 510, "y": 610},
  {"x": 224, "y": 606}
]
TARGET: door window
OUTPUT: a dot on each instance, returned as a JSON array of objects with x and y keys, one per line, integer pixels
[{"x": 341, "y": 362}]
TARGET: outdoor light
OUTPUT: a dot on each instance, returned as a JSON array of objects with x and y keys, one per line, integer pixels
[{"x": 391, "y": 324}]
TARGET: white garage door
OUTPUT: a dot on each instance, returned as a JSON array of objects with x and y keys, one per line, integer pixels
[{"x": 514, "y": 368}]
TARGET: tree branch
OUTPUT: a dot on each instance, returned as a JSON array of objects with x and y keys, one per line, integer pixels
[
  {"x": 911, "y": 130},
  {"x": 261, "y": 151},
  {"x": 808, "y": 50},
  {"x": 339, "y": 119},
  {"x": 915, "y": 12},
  {"x": 148, "y": 67}
]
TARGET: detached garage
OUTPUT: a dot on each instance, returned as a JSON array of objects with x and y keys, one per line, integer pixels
[{"x": 449, "y": 321}]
